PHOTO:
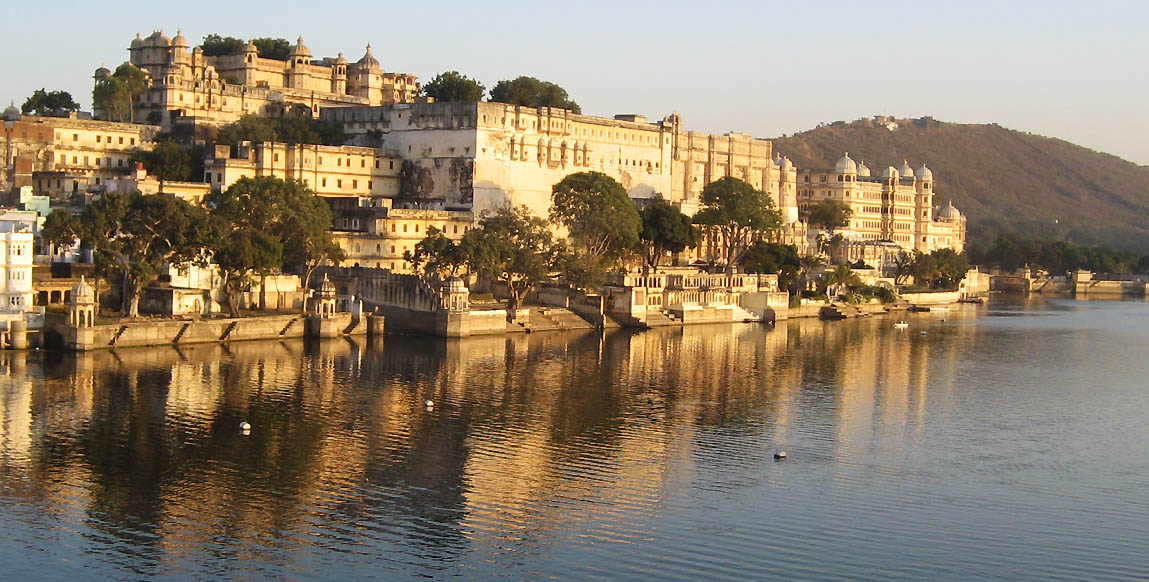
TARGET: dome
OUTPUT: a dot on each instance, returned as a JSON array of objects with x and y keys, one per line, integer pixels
[
  {"x": 906, "y": 170},
  {"x": 158, "y": 38},
  {"x": 83, "y": 292},
  {"x": 102, "y": 73},
  {"x": 863, "y": 171},
  {"x": 454, "y": 285},
  {"x": 890, "y": 172},
  {"x": 250, "y": 48},
  {"x": 924, "y": 173},
  {"x": 846, "y": 165},
  {"x": 948, "y": 212},
  {"x": 327, "y": 287},
  {"x": 300, "y": 50},
  {"x": 179, "y": 40},
  {"x": 11, "y": 113},
  {"x": 784, "y": 163},
  {"x": 138, "y": 41},
  {"x": 368, "y": 59},
  {"x": 340, "y": 60}
]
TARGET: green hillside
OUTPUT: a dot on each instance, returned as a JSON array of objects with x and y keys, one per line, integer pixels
[{"x": 1004, "y": 180}]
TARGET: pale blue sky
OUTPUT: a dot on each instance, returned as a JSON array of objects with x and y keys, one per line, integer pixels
[{"x": 1074, "y": 70}]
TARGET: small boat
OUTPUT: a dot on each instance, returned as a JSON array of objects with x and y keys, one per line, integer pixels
[{"x": 901, "y": 324}]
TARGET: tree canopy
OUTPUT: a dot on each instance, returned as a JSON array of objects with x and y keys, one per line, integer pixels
[
  {"x": 436, "y": 256},
  {"x": 737, "y": 214},
  {"x": 49, "y": 104},
  {"x": 601, "y": 218},
  {"x": 665, "y": 230},
  {"x": 533, "y": 92},
  {"x": 288, "y": 129},
  {"x": 453, "y": 86},
  {"x": 941, "y": 269},
  {"x": 515, "y": 247},
  {"x": 214, "y": 45},
  {"x": 167, "y": 161},
  {"x": 133, "y": 236},
  {"x": 272, "y": 48},
  {"x": 777, "y": 258},
  {"x": 270, "y": 224},
  {"x": 1011, "y": 252},
  {"x": 828, "y": 215},
  {"x": 116, "y": 95}
]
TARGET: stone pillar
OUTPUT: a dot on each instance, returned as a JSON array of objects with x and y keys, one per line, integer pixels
[
  {"x": 18, "y": 334},
  {"x": 375, "y": 325}
]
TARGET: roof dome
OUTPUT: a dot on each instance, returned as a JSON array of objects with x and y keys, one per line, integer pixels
[
  {"x": 846, "y": 165},
  {"x": 327, "y": 287},
  {"x": 906, "y": 170},
  {"x": 863, "y": 170},
  {"x": 454, "y": 285},
  {"x": 158, "y": 38},
  {"x": 300, "y": 50},
  {"x": 102, "y": 73},
  {"x": 179, "y": 40},
  {"x": 340, "y": 60},
  {"x": 250, "y": 48},
  {"x": 83, "y": 292},
  {"x": 783, "y": 163},
  {"x": 948, "y": 212},
  {"x": 890, "y": 172},
  {"x": 138, "y": 41},
  {"x": 11, "y": 113},
  {"x": 368, "y": 59},
  {"x": 924, "y": 173}
]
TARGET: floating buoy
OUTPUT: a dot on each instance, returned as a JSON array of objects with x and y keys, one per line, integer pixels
[
  {"x": 923, "y": 333},
  {"x": 779, "y": 455},
  {"x": 429, "y": 404},
  {"x": 245, "y": 427}
]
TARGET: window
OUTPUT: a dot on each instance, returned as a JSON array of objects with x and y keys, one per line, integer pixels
[
  {"x": 392, "y": 249},
  {"x": 338, "y": 161},
  {"x": 339, "y": 183},
  {"x": 97, "y": 139},
  {"x": 362, "y": 163},
  {"x": 75, "y": 137},
  {"x": 376, "y": 164},
  {"x": 132, "y": 141},
  {"x": 391, "y": 165},
  {"x": 369, "y": 185},
  {"x": 392, "y": 230},
  {"x": 325, "y": 182},
  {"x": 320, "y": 160},
  {"x": 416, "y": 228},
  {"x": 275, "y": 158},
  {"x": 355, "y": 184},
  {"x": 121, "y": 139},
  {"x": 404, "y": 228}
]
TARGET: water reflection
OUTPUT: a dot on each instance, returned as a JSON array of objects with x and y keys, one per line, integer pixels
[{"x": 544, "y": 454}]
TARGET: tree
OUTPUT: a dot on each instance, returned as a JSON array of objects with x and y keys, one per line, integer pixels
[
  {"x": 665, "y": 229},
  {"x": 116, "y": 94},
  {"x": 828, "y": 215},
  {"x": 295, "y": 219},
  {"x": 214, "y": 45},
  {"x": 769, "y": 257},
  {"x": 903, "y": 267},
  {"x": 453, "y": 86},
  {"x": 289, "y": 129},
  {"x": 842, "y": 276},
  {"x": 512, "y": 246},
  {"x": 133, "y": 236},
  {"x": 737, "y": 214},
  {"x": 167, "y": 161},
  {"x": 273, "y": 48},
  {"x": 49, "y": 104},
  {"x": 436, "y": 256},
  {"x": 533, "y": 92},
  {"x": 602, "y": 220}
]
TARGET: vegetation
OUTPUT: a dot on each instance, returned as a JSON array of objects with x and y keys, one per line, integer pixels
[
  {"x": 133, "y": 236},
  {"x": 602, "y": 220},
  {"x": 214, "y": 45},
  {"x": 116, "y": 95},
  {"x": 453, "y": 86},
  {"x": 1059, "y": 257},
  {"x": 942, "y": 269},
  {"x": 167, "y": 161},
  {"x": 436, "y": 256},
  {"x": 514, "y": 247},
  {"x": 288, "y": 129},
  {"x": 777, "y": 258},
  {"x": 272, "y": 48},
  {"x": 1005, "y": 181},
  {"x": 665, "y": 230},
  {"x": 533, "y": 92},
  {"x": 269, "y": 224},
  {"x": 828, "y": 215},
  {"x": 738, "y": 214},
  {"x": 49, "y": 104}
]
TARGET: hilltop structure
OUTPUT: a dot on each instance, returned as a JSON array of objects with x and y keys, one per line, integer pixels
[{"x": 216, "y": 90}]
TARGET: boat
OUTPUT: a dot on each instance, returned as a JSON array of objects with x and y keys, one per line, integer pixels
[{"x": 901, "y": 324}]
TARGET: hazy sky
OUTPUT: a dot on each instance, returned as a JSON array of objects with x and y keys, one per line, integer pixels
[{"x": 1074, "y": 70}]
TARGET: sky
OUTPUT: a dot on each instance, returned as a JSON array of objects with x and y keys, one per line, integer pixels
[{"x": 1072, "y": 70}]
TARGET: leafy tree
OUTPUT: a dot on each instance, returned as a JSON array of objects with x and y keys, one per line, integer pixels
[
  {"x": 842, "y": 276},
  {"x": 533, "y": 92},
  {"x": 738, "y": 214},
  {"x": 828, "y": 215},
  {"x": 769, "y": 257},
  {"x": 941, "y": 269},
  {"x": 49, "y": 104},
  {"x": 294, "y": 218},
  {"x": 602, "y": 220},
  {"x": 214, "y": 45},
  {"x": 133, "y": 236},
  {"x": 903, "y": 267},
  {"x": 289, "y": 129},
  {"x": 272, "y": 48},
  {"x": 512, "y": 246},
  {"x": 665, "y": 229},
  {"x": 453, "y": 86},
  {"x": 436, "y": 256},
  {"x": 168, "y": 161},
  {"x": 116, "y": 95}
]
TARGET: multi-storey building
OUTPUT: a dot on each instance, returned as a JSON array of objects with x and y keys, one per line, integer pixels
[
  {"x": 16, "y": 254},
  {"x": 220, "y": 89},
  {"x": 378, "y": 236}
]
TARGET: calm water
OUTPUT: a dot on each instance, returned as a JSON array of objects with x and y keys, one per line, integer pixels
[{"x": 1009, "y": 442}]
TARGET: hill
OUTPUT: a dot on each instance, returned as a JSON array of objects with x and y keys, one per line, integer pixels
[{"x": 1004, "y": 180}]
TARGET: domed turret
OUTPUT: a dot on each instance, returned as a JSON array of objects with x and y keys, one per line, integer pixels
[
  {"x": 300, "y": 50},
  {"x": 948, "y": 212},
  {"x": 158, "y": 38},
  {"x": 179, "y": 40},
  {"x": 784, "y": 163},
  {"x": 102, "y": 73},
  {"x": 846, "y": 165},
  {"x": 924, "y": 173},
  {"x": 368, "y": 59},
  {"x": 906, "y": 170},
  {"x": 137, "y": 42},
  {"x": 863, "y": 170},
  {"x": 890, "y": 172},
  {"x": 83, "y": 292},
  {"x": 339, "y": 60},
  {"x": 250, "y": 48},
  {"x": 11, "y": 113},
  {"x": 327, "y": 287}
]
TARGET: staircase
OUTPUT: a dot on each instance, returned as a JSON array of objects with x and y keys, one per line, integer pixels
[
  {"x": 743, "y": 314},
  {"x": 183, "y": 330},
  {"x": 119, "y": 332},
  {"x": 227, "y": 331},
  {"x": 289, "y": 325},
  {"x": 659, "y": 318},
  {"x": 841, "y": 311}
]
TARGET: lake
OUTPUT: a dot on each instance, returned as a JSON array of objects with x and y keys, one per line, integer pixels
[{"x": 1007, "y": 441}]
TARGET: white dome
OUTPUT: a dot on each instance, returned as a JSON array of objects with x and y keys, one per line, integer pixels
[
  {"x": 846, "y": 165},
  {"x": 138, "y": 41},
  {"x": 924, "y": 173},
  {"x": 368, "y": 60},
  {"x": 11, "y": 113},
  {"x": 300, "y": 49},
  {"x": 890, "y": 172},
  {"x": 863, "y": 170},
  {"x": 83, "y": 292},
  {"x": 179, "y": 40},
  {"x": 906, "y": 170},
  {"x": 948, "y": 212},
  {"x": 783, "y": 163}
]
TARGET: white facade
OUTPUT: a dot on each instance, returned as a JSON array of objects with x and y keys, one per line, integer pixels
[{"x": 16, "y": 252}]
